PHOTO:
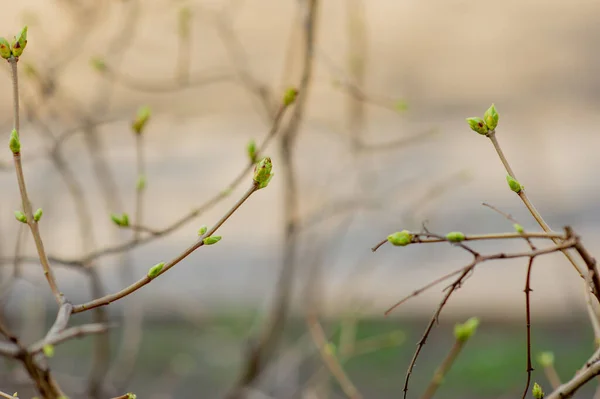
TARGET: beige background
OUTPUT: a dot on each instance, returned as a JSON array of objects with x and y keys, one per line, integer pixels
[{"x": 537, "y": 61}]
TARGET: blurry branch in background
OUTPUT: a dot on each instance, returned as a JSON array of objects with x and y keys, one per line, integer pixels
[
  {"x": 187, "y": 218},
  {"x": 268, "y": 341},
  {"x": 462, "y": 333},
  {"x": 546, "y": 360}
]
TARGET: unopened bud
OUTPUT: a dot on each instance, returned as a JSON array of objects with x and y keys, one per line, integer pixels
[
  {"x": 20, "y": 42},
  {"x": 478, "y": 125},
  {"x": 455, "y": 236},
  {"x": 290, "y": 96},
  {"x": 263, "y": 173},
  {"x": 38, "y": 215},
  {"x": 400, "y": 238},
  {"x": 20, "y": 216},
  {"x": 155, "y": 270},
  {"x": 491, "y": 117},
  {"x": 514, "y": 184},
  {"x": 537, "y": 391},
  {"x": 14, "y": 143},
  {"x": 464, "y": 331},
  {"x": 141, "y": 119},
  {"x": 5, "y": 51},
  {"x": 211, "y": 240}
]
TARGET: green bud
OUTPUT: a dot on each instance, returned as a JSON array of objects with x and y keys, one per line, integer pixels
[
  {"x": 141, "y": 119},
  {"x": 5, "y": 51},
  {"x": 120, "y": 220},
  {"x": 14, "y": 143},
  {"x": 155, "y": 270},
  {"x": 251, "y": 150},
  {"x": 211, "y": 240},
  {"x": 518, "y": 228},
  {"x": 464, "y": 331},
  {"x": 202, "y": 230},
  {"x": 140, "y": 185},
  {"x": 262, "y": 173},
  {"x": 400, "y": 238},
  {"x": 15, "y": 394},
  {"x": 20, "y": 42},
  {"x": 330, "y": 348},
  {"x": 98, "y": 64},
  {"x": 514, "y": 184},
  {"x": 38, "y": 215},
  {"x": 185, "y": 17},
  {"x": 401, "y": 106},
  {"x": 20, "y": 216},
  {"x": 48, "y": 350},
  {"x": 478, "y": 125},
  {"x": 455, "y": 236},
  {"x": 537, "y": 391},
  {"x": 546, "y": 359},
  {"x": 131, "y": 395},
  {"x": 491, "y": 117},
  {"x": 290, "y": 96}
]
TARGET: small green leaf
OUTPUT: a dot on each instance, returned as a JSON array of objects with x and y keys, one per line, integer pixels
[
  {"x": 251, "y": 150},
  {"x": 120, "y": 220},
  {"x": 140, "y": 185},
  {"x": 20, "y": 216},
  {"x": 518, "y": 228},
  {"x": 155, "y": 270},
  {"x": 202, "y": 230},
  {"x": 143, "y": 115},
  {"x": 14, "y": 143},
  {"x": 455, "y": 236},
  {"x": 131, "y": 395},
  {"x": 20, "y": 42},
  {"x": 48, "y": 350},
  {"x": 400, "y": 238},
  {"x": 514, "y": 184},
  {"x": 478, "y": 125},
  {"x": 5, "y": 51},
  {"x": 38, "y": 215},
  {"x": 464, "y": 331},
  {"x": 546, "y": 359},
  {"x": 263, "y": 173},
  {"x": 491, "y": 117},
  {"x": 211, "y": 240},
  {"x": 537, "y": 391},
  {"x": 290, "y": 96}
]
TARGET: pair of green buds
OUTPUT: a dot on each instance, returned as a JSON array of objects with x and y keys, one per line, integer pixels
[
  {"x": 487, "y": 124},
  {"x": 14, "y": 49},
  {"x": 405, "y": 237},
  {"x": 20, "y": 216}
]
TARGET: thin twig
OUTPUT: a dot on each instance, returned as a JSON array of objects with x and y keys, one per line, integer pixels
[
  {"x": 68, "y": 334},
  {"x": 425, "y": 238},
  {"x": 332, "y": 363},
  {"x": 534, "y": 212},
  {"x": 26, "y": 203},
  {"x": 146, "y": 280},
  {"x": 443, "y": 369}
]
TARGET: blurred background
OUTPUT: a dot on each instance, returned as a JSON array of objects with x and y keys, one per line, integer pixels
[{"x": 376, "y": 143}]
